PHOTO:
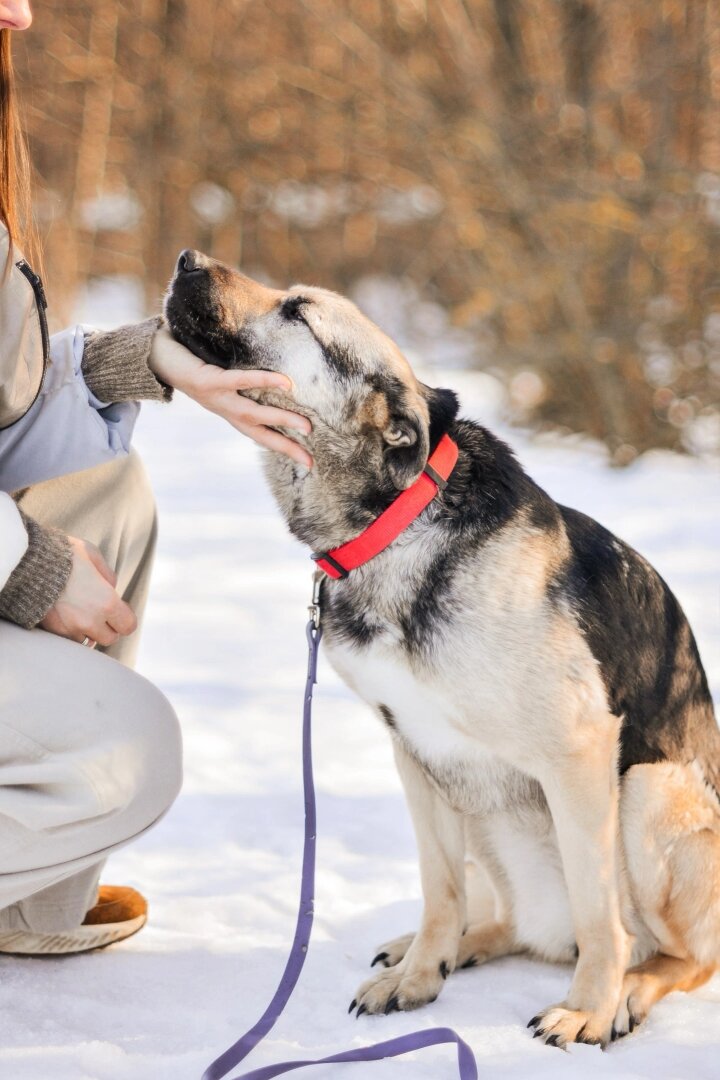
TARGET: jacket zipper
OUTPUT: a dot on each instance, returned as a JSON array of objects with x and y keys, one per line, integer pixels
[{"x": 41, "y": 304}]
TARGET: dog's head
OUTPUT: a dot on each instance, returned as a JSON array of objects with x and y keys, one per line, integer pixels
[{"x": 348, "y": 377}]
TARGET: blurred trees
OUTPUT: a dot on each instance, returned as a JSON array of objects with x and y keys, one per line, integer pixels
[{"x": 547, "y": 170}]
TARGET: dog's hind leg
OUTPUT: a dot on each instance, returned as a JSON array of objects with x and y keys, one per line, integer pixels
[
  {"x": 491, "y": 929},
  {"x": 480, "y": 942},
  {"x": 486, "y": 941},
  {"x": 418, "y": 977},
  {"x": 485, "y": 937},
  {"x": 391, "y": 952},
  {"x": 671, "y": 831},
  {"x": 645, "y": 984}
]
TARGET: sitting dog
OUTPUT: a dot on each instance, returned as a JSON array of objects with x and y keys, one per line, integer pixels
[{"x": 549, "y": 714}]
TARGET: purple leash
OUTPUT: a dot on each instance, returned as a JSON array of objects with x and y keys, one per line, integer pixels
[{"x": 404, "y": 1044}]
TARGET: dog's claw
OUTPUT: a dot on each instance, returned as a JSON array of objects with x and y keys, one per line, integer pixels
[
  {"x": 380, "y": 956},
  {"x": 361, "y": 1010},
  {"x": 392, "y": 1005},
  {"x": 537, "y": 1034},
  {"x": 552, "y": 1040},
  {"x": 534, "y": 1022},
  {"x": 353, "y": 1003}
]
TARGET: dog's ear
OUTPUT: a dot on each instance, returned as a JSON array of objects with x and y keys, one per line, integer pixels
[
  {"x": 406, "y": 447},
  {"x": 443, "y": 406}
]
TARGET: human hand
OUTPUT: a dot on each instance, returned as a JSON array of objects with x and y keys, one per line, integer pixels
[
  {"x": 220, "y": 391},
  {"x": 89, "y": 605}
]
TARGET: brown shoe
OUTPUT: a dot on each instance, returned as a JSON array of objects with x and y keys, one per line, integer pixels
[{"x": 119, "y": 913}]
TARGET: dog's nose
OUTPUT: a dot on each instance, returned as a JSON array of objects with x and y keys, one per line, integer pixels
[{"x": 187, "y": 261}]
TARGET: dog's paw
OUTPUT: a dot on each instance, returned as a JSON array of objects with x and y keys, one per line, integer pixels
[
  {"x": 559, "y": 1025},
  {"x": 397, "y": 989},
  {"x": 635, "y": 1004},
  {"x": 483, "y": 942},
  {"x": 392, "y": 952}
]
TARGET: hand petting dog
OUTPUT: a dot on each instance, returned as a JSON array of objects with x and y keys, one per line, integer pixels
[{"x": 221, "y": 392}]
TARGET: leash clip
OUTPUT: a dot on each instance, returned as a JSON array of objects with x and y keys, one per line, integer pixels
[{"x": 314, "y": 607}]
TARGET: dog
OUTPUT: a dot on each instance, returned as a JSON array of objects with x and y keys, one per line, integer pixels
[{"x": 549, "y": 714}]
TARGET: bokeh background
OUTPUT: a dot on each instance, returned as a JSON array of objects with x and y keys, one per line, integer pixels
[{"x": 531, "y": 186}]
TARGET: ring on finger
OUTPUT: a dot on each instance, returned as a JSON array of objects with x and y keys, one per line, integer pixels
[{"x": 89, "y": 642}]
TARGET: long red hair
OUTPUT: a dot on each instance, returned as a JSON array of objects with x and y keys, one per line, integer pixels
[{"x": 14, "y": 162}]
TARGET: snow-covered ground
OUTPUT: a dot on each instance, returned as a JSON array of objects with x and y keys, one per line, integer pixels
[{"x": 224, "y": 638}]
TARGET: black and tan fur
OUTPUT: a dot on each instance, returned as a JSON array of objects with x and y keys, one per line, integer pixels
[{"x": 550, "y": 717}]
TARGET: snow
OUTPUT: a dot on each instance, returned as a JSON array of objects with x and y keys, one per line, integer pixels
[{"x": 224, "y": 638}]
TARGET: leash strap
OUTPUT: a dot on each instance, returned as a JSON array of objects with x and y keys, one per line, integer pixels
[
  {"x": 339, "y": 561},
  {"x": 404, "y": 1044}
]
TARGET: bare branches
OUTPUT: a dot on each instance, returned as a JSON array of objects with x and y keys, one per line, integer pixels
[{"x": 549, "y": 171}]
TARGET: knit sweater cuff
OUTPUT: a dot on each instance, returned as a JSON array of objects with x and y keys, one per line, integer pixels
[
  {"x": 115, "y": 364},
  {"x": 41, "y": 575}
]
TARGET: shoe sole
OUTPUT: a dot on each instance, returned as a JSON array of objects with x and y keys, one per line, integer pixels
[{"x": 65, "y": 943}]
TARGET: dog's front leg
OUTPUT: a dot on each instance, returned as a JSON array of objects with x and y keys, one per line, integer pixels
[
  {"x": 419, "y": 976},
  {"x": 581, "y": 787}
]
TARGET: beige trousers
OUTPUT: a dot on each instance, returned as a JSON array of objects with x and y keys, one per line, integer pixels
[{"x": 90, "y": 752}]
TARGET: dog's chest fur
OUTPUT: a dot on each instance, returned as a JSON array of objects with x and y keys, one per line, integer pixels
[
  {"x": 429, "y": 723},
  {"x": 467, "y": 702}
]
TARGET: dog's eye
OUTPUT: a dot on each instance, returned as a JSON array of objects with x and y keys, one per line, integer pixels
[{"x": 291, "y": 309}]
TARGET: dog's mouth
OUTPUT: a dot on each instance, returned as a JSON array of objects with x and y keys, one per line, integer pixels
[{"x": 192, "y": 314}]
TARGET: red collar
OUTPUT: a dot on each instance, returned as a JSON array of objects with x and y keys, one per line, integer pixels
[{"x": 339, "y": 561}]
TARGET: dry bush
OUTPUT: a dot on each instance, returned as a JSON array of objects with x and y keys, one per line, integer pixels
[{"x": 548, "y": 170}]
